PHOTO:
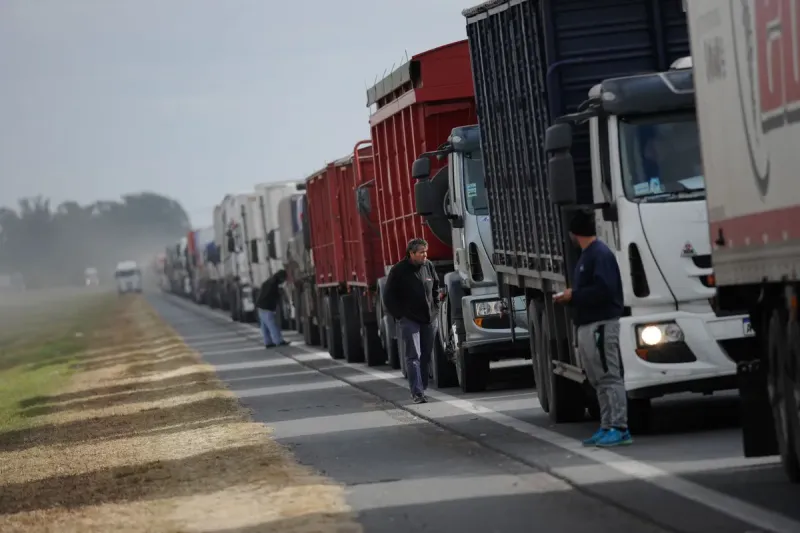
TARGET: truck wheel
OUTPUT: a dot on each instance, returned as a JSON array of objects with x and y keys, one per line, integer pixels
[
  {"x": 472, "y": 370},
  {"x": 333, "y": 332},
  {"x": 640, "y": 415},
  {"x": 443, "y": 370},
  {"x": 374, "y": 354},
  {"x": 793, "y": 384},
  {"x": 781, "y": 394},
  {"x": 540, "y": 375},
  {"x": 565, "y": 396},
  {"x": 350, "y": 327}
]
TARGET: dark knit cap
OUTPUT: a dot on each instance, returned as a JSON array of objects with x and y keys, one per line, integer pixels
[{"x": 583, "y": 224}]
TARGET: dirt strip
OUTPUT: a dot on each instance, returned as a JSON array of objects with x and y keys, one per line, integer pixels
[{"x": 145, "y": 438}]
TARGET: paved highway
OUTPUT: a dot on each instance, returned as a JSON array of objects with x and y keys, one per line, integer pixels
[{"x": 490, "y": 462}]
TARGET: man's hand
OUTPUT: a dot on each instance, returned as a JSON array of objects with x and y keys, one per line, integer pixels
[
  {"x": 441, "y": 295},
  {"x": 564, "y": 297}
]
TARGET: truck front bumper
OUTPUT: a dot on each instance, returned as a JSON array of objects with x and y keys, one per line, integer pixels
[{"x": 703, "y": 360}]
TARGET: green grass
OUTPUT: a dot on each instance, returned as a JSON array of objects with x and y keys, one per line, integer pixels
[{"x": 39, "y": 361}]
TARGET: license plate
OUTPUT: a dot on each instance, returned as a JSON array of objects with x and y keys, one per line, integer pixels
[{"x": 747, "y": 328}]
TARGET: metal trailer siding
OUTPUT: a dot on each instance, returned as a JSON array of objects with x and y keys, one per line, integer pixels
[
  {"x": 325, "y": 212},
  {"x": 362, "y": 239},
  {"x": 417, "y": 106},
  {"x": 534, "y": 60}
]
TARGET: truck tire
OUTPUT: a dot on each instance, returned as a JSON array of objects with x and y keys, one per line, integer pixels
[
  {"x": 537, "y": 354},
  {"x": 566, "y": 397},
  {"x": 781, "y": 393},
  {"x": 333, "y": 331},
  {"x": 443, "y": 370},
  {"x": 374, "y": 354},
  {"x": 350, "y": 326},
  {"x": 472, "y": 370},
  {"x": 389, "y": 344}
]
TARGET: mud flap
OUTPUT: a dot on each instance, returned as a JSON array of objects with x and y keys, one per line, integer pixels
[{"x": 758, "y": 425}]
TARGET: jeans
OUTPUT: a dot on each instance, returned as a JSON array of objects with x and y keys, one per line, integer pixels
[
  {"x": 416, "y": 344},
  {"x": 269, "y": 327}
]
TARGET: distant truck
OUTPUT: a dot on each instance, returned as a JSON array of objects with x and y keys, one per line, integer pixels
[
  {"x": 91, "y": 277},
  {"x": 237, "y": 274},
  {"x": 603, "y": 118},
  {"x": 746, "y": 60},
  {"x": 267, "y": 244},
  {"x": 294, "y": 226},
  {"x": 128, "y": 277}
]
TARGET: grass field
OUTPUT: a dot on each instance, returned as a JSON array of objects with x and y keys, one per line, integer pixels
[{"x": 124, "y": 428}]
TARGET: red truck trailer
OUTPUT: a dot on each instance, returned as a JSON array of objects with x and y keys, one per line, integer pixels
[
  {"x": 415, "y": 108},
  {"x": 346, "y": 247}
]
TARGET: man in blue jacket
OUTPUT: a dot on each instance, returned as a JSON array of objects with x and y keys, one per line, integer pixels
[{"x": 597, "y": 299}]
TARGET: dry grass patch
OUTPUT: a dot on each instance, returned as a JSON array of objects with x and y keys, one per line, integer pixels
[{"x": 146, "y": 439}]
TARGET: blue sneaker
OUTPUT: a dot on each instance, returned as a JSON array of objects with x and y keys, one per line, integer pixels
[
  {"x": 599, "y": 434},
  {"x": 615, "y": 437}
]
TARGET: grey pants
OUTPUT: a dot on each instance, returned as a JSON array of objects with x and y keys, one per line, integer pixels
[
  {"x": 415, "y": 342},
  {"x": 598, "y": 347}
]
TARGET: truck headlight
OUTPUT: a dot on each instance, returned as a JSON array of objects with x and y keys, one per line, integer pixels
[
  {"x": 488, "y": 308},
  {"x": 655, "y": 334}
]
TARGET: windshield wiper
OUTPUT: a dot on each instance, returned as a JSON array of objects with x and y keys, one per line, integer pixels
[{"x": 682, "y": 195}]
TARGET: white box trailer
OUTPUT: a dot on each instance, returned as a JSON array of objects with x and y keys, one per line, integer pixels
[{"x": 747, "y": 79}]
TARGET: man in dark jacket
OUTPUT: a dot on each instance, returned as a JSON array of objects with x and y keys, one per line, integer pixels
[
  {"x": 597, "y": 299},
  {"x": 269, "y": 297},
  {"x": 411, "y": 297}
]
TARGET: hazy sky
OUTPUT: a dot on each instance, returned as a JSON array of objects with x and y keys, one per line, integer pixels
[{"x": 193, "y": 98}]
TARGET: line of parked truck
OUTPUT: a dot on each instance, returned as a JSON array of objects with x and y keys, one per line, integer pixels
[{"x": 485, "y": 146}]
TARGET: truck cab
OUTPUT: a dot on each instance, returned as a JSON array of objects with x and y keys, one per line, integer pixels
[
  {"x": 476, "y": 324},
  {"x": 238, "y": 289},
  {"x": 128, "y": 277},
  {"x": 647, "y": 188}
]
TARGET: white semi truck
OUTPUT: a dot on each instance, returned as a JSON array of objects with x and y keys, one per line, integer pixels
[
  {"x": 747, "y": 77},
  {"x": 236, "y": 269},
  {"x": 475, "y": 325},
  {"x": 626, "y": 147},
  {"x": 270, "y": 246}
]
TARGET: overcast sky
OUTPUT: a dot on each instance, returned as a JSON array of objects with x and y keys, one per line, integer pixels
[{"x": 193, "y": 99}]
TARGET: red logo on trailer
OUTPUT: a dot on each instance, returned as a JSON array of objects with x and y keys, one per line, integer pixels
[{"x": 769, "y": 84}]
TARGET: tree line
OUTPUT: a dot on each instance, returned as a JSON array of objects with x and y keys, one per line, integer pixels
[{"x": 53, "y": 246}]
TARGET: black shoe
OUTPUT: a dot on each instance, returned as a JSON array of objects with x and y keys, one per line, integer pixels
[
  {"x": 420, "y": 398},
  {"x": 269, "y": 346},
  {"x": 285, "y": 343}
]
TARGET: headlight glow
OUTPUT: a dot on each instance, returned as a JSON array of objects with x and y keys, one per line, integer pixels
[{"x": 655, "y": 334}]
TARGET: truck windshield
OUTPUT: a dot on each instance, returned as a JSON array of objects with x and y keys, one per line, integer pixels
[
  {"x": 474, "y": 184},
  {"x": 661, "y": 159}
]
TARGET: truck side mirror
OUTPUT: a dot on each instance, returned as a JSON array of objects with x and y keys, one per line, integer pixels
[
  {"x": 421, "y": 169},
  {"x": 558, "y": 138},
  {"x": 363, "y": 203},
  {"x": 231, "y": 241},
  {"x": 271, "y": 252},
  {"x": 560, "y": 166},
  {"x": 300, "y": 186},
  {"x": 424, "y": 200}
]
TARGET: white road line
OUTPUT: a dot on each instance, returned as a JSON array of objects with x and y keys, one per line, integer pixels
[{"x": 729, "y": 505}]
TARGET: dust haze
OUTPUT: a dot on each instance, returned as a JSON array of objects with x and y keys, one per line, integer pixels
[{"x": 44, "y": 246}]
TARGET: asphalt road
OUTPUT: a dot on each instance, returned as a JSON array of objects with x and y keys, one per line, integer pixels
[{"x": 490, "y": 462}]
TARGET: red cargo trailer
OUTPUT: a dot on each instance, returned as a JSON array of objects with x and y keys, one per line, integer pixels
[
  {"x": 346, "y": 248},
  {"x": 414, "y": 109}
]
